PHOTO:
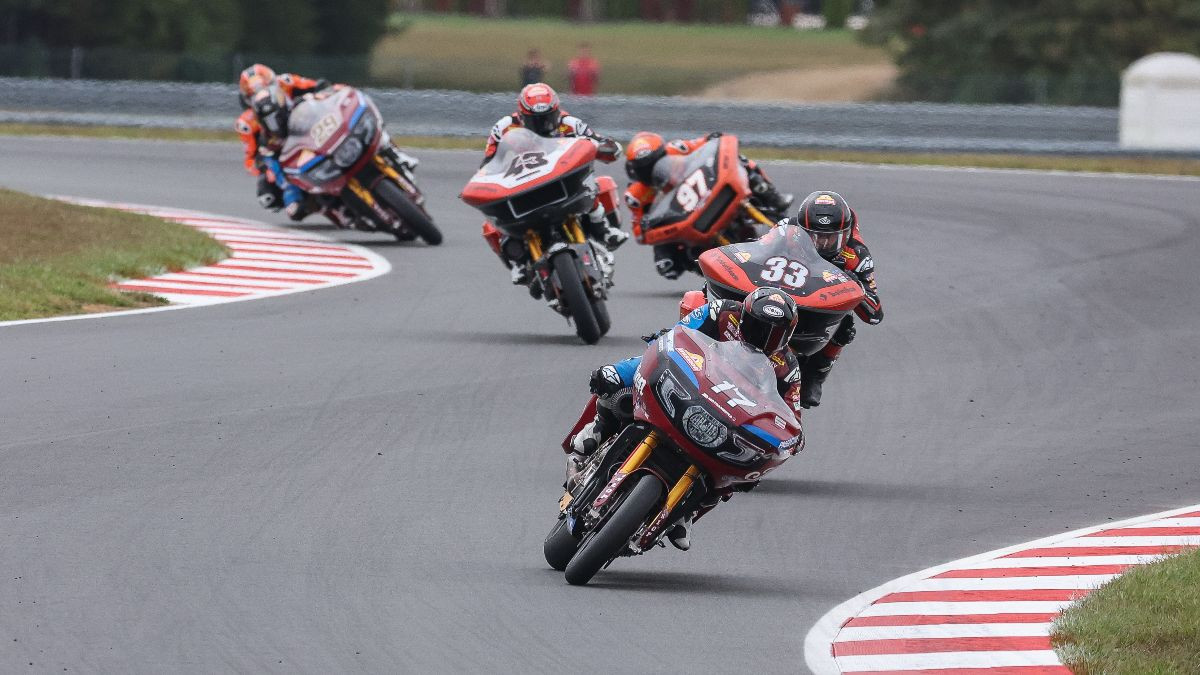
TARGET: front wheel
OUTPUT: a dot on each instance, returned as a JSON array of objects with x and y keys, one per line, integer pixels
[
  {"x": 575, "y": 296},
  {"x": 608, "y": 542},
  {"x": 560, "y": 546},
  {"x": 600, "y": 309},
  {"x": 412, "y": 216}
]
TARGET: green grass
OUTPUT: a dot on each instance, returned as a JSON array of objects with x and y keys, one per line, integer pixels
[
  {"x": 1165, "y": 166},
  {"x": 58, "y": 258},
  {"x": 1146, "y": 621},
  {"x": 462, "y": 52}
]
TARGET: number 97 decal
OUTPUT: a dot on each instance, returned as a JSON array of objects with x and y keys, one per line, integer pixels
[
  {"x": 791, "y": 272},
  {"x": 693, "y": 189}
]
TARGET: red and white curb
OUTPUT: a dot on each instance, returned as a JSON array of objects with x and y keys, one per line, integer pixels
[
  {"x": 264, "y": 261},
  {"x": 989, "y": 614}
]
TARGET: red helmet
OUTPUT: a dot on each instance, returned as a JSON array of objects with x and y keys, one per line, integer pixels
[
  {"x": 828, "y": 219},
  {"x": 538, "y": 107},
  {"x": 768, "y": 319},
  {"x": 254, "y": 79},
  {"x": 642, "y": 153}
]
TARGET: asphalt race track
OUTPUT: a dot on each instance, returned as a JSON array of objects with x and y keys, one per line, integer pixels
[{"x": 360, "y": 478}]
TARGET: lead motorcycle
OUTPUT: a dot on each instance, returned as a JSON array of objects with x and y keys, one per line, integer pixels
[
  {"x": 537, "y": 191},
  {"x": 338, "y": 151},
  {"x": 707, "y": 416},
  {"x": 705, "y": 201}
]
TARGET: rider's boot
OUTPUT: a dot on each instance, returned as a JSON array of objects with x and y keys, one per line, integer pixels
[
  {"x": 603, "y": 231},
  {"x": 680, "y": 535},
  {"x": 402, "y": 158},
  {"x": 520, "y": 274},
  {"x": 770, "y": 196},
  {"x": 816, "y": 367}
]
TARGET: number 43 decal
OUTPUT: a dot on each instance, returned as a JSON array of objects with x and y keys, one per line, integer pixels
[{"x": 791, "y": 272}]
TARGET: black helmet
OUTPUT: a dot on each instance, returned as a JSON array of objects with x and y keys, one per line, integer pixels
[
  {"x": 270, "y": 107},
  {"x": 768, "y": 319},
  {"x": 642, "y": 153},
  {"x": 828, "y": 219}
]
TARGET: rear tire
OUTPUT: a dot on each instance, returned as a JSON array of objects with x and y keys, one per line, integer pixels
[
  {"x": 576, "y": 298},
  {"x": 414, "y": 218},
  {"x": 608, "y": 542},
  {"x": 560, "y": 546}
]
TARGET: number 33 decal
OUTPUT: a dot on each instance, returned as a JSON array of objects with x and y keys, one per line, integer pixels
[{"x": 790, "y": 272}]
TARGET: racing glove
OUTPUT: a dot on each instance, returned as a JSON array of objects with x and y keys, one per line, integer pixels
[{"x": 605, "y": 381}]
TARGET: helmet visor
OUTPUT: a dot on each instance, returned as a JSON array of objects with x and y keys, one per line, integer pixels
[
  {"x": 542, "y": 124},
  {"x": 829, "y": 243},
  {"x": 769, "y": 337}
]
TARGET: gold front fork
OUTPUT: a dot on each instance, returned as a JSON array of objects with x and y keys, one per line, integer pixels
[
  {"x": 533, "y": 242},
  {"x": 639, "y": 455},
  {"x": 361, "y": 192},
  {"x": 681, "y": 487},
  {"x": 757, "y": 215},
  {"x": 573, "y": 230}
]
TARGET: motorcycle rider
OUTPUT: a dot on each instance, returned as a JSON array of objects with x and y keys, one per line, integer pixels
[
  {"x": 538, "y": 110},
  {"x": 833, "y": 226},
  {"x": 259, "y": 143},
  {"x": 262, "y": 127},
  {"x": 764, "y": 320},
  {"x": 643, "y": 152}
]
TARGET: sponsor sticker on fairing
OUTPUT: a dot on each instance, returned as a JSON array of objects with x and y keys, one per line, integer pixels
[
  {"x": 743, "y": 256},
  {"x": 695, "y": 361}
]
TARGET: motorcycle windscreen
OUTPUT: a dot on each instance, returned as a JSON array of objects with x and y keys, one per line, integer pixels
[
  {"x": 523, "y": 161},
  {"x": 314, "y": 120},
  {"x": 738, "y": 377},
  {"x": 785, "y": 257},
  {"x": 685, "y": 184}
]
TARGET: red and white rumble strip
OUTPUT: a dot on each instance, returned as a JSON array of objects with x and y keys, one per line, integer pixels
[
  {"x": 264, "y": 261},
  {"x": 989, "y": 614}
]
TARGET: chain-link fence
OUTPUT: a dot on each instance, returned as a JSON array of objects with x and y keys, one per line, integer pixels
[{"x": 866, "y": 126}]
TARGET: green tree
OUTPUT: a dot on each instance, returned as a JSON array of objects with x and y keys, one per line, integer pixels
[
  {"x": 1052, "y": 51},
  {"x": 350, "y": 26}
]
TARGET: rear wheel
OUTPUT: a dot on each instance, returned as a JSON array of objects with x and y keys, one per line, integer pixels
[
  {"x": 412, "y": 215},
  {"x": 575, "y": 296},
  {"x": 560, "y": 546},
  {"x": 612, "y": 536}
]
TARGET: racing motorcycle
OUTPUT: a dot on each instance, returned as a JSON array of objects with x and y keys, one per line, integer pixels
[
  {"x": 707, "y": 417},
  {"x": 537, "y": 191},
  {"x": 705, "y": 201},
  {"x": 785, "y": 258},
  {"x": 338, "y": 151}
]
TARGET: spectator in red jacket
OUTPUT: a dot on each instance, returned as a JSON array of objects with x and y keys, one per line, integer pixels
[{"x": 584, "y": 71}]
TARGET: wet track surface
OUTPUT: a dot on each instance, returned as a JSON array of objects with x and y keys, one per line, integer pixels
[{"x": 359, "y": 478}]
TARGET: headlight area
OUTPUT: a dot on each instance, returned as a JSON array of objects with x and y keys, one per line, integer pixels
[
  {"x": 364, "y": 129},
  {"x": 703, "y": 428},
  {"x": 324, "y": 171},
  {"x": 670, "y": 391}
]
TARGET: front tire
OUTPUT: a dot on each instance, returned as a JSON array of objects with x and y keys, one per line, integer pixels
[
  {"x": 414, "y": 218},
  {"x": 560, "y": 546},
  {"x": 600, "y": 309},
  {"x": 608, "y": 542},
  {"x": 575, "y": 296}
]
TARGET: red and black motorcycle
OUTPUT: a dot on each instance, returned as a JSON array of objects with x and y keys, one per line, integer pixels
[
  {"x": 705, "y": 201},
  {"x": 337, "y": 150},
  {"x": 537, "y": 191},
  {"x": 707, "y": 416},
  {"x": 787, "y": 259}
]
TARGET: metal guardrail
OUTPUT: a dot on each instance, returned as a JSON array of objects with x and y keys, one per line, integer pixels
[{"x": 860, "y": 126}]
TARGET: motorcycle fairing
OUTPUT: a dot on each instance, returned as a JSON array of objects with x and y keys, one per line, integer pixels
[
  {"x": 525, "y": 161},
  {"x": 681, "y": 214}
]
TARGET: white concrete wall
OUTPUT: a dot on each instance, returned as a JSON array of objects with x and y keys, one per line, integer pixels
[{"x": 1160, "y": 103}]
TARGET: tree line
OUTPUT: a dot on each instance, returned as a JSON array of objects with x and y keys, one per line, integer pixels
[
  {"x": 341, "y": 27},
  {"x": 1019, "y": 51}
]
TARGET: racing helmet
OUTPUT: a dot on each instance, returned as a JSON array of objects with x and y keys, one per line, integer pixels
[
  {"x": 768, "y": 319},
  {"x": 642, "y": 153},
  {"x": 828, "y": 219},
  {"x": 538, "y": 107},
  {"x": 271, "y": 109},
  {"x": 254, "y": 79}
]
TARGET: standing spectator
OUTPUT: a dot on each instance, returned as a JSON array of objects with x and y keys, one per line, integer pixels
[
  {"x": 584, "y": 71},
  {"x": 534, "y": 68}
]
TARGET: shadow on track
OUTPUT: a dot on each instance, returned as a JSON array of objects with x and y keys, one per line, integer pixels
[
  {"x": 802, "y": 487},
  {"x": 733, "y": 585},
  {"x": 495, "y": 337}
]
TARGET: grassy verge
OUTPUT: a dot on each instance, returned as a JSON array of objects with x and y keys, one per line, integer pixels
[
  {"x": 1166, "y": 166},
  {"x": 58, "y": 258},
  {"x": 1145, "y": 621},
  {"x": 463, "y": 52}
]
